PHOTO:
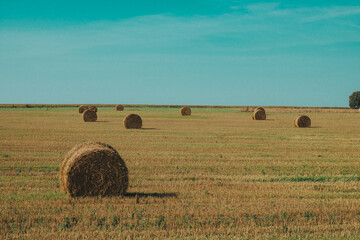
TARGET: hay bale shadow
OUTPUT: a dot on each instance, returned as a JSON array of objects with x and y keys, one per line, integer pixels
[{"x": 145, "y": 195}]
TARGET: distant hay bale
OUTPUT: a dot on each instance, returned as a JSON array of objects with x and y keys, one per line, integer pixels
[
  {"x": 302, "y": 121},
  {"x": 132, "y": 121},
  {"x": 245, "y": 109},
  {"x": 185, "y": 111},
  {"x": 119, "y": 107},
  {"x": 259, "y": 108},
  {"x": 89, "y": 116},
  {"x": 259, "y": 115},
  {"x": 94, "y": 108},
  {"x": 91, "y": 169},
  {"x": 82, "y": 108}
]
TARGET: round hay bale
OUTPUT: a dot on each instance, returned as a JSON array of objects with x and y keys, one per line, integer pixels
[
  {"x": 119, "y": 107},
  {"x": 93, "y": 168},
  {"x": 259, "y": 115},
  {"x": 89, "y": 116},
  {"x": 259, "y": 108},
  {"x": 302, "y": 121},
  {"x": 94, "y": 108},
  {"x": 82, "y": 108},
  {"x": 185, "y": 111},
  {"x": 132, "y": 121}
]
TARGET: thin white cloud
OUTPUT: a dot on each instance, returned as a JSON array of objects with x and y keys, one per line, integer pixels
[
  {"x": 334, "y": 12},
  {"x": 235, "y": 7},
  {"x": 354, "y": 25},
  {"x": 266, "y": 28},
  {"x": 262, "y": 7}
]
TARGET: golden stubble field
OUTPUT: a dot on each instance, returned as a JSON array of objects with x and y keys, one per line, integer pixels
[{"x": 215, "y": 174}]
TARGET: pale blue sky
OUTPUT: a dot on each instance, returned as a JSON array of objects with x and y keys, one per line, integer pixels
[{"x": 300, "y": 53}]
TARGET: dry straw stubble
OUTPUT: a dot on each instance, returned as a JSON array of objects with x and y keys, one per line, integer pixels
[
  {"x": 119, "y": 107},
  {"x": 132, "y": 121},
  {"x": 185, "y": 111},
  {"x": 89, "y": 116},
  {"x": 302, "y": 121},
  {"x": 91, "y": 169}
]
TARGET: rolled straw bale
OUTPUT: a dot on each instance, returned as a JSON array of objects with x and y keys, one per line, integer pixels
[
  {"x": 119, "y": 107},
  {"x": 94, "y": 108},
  {"x": 93, "y": 168},
  {"x": 259, "y": 108},
  {"x": 89, "y": 116},
  {"x": 132, "y": 121},
  {"x": 82, "y": 108},
  {"x": 185, "y": 111},
  {"x": 259, "y": 115},
  {"x": 302, "y": 121}
]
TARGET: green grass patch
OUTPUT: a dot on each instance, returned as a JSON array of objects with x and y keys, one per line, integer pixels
[
  {"x": 25, "y": 180},
  {"x": 33, "y": 196},
  {"x": 30, "y": 167},
  {"x": 175, "y": 116},
  {"x": 308, "y": 179},
  {"x": 4, "y": 155},
  {"x": 42, "y": 109},
  {"x": 127, "y": 109}
]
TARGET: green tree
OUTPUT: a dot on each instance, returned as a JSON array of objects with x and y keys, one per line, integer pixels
[{"x": 354, "y": 100}]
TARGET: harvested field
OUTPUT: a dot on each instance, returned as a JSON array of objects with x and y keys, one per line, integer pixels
[{"x": 215, "y": 175}]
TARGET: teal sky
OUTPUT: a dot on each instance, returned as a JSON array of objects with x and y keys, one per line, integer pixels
[{"x": 298, "y": 53}]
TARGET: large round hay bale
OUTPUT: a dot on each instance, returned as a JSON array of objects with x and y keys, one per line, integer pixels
[
  {"x": 132, "y": 121},
  {"x": 82, "y": 108},
  {"x": 94, "y": 108},
  {"x": 91, "y": 169},
  {"x": 259, "y": 115},
  {"x": 185, "y": 111},
  {"x": 119, "y": 107},
  {"x": 302, "y": 121},
  {"x": 89, "y": 116},
  {"x": 259, "y": 108}
]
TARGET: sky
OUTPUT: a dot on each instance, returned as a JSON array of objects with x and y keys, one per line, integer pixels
[{"x": 183, "y": 52}]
